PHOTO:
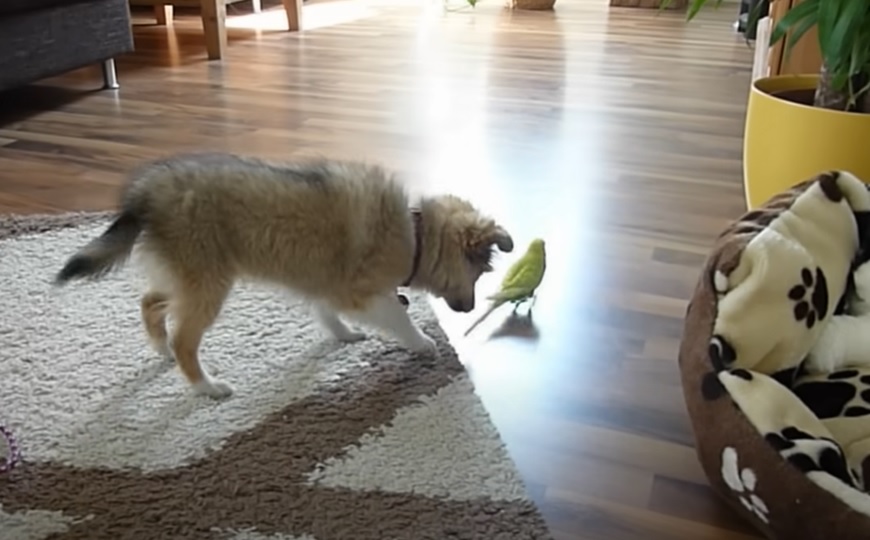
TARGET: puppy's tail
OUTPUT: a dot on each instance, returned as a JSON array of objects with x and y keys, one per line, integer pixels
[{"x": 105, "y": 253}]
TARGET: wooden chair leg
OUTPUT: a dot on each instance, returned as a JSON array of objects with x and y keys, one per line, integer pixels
[
  {"x": 164, "y": 14},
  {"x": 214, "y": 25},
  {"x": 293, "y": 8}
]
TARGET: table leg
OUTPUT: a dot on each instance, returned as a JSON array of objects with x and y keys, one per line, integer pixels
[
  {"x": 214, "y": 25},
  {"x": 164, "y": 14},
  {"x": 293, "y": 8}
]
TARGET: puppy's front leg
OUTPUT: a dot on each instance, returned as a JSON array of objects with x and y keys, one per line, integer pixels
[
  {"x": 387, "y": 313},
  {"x": 330, "y": 321}
]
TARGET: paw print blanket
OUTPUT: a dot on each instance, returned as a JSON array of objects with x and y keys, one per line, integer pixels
[{"x": 784, "y": 441}]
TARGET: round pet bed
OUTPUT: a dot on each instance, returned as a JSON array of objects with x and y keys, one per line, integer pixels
[{"x": 787, "y": 446}]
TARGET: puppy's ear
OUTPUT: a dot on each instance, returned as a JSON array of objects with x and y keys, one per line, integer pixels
[
  {"x": 502, "y": 239},
  {"x": 479, "y": 242}
]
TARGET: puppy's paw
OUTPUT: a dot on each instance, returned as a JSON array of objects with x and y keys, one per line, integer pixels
[
  {"x": 350, "y": 337},
  {"x": 425, "y": 345},
  {"x": 165, "y": 352},
  {"x": 213, "y": 388},
  {"x": 163, "y": 348}
]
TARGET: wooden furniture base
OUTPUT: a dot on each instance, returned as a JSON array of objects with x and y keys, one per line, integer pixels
[
  {"x": 675, "y": 4},
  {"x": 214, "y": 14}
]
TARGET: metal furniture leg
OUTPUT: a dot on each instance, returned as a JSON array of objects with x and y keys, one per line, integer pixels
[{"x": 110, "y": 76}]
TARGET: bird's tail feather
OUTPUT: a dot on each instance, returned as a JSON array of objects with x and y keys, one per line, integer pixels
[{"x": 492, "y": 307}]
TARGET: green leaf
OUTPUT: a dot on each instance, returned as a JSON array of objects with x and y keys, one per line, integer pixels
[
  {"x": 800, "y": 28},
  {"x": 696, "y": 6},
  {"x": 798, "y": 20},
  {"x": 827, "y": 18},
  {"x": 860, "y": 61},
  {"x": 839, "y": 79},
  {"x": 755, "y": 15},
  {"x": 844, "y": 46},
  {"x": 860, "y": 92},
  {"x": 846, "y": 28},
  {"x": 806, "y": 9}
]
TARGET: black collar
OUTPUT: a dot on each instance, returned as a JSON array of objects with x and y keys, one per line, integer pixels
[{"x": 417, "y": 218}]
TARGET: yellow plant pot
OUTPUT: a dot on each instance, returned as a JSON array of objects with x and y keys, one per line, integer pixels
[{"x": 786, "y": 143}]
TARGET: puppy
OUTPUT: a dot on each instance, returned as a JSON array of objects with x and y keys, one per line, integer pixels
[{"x": 340, "y": 234}]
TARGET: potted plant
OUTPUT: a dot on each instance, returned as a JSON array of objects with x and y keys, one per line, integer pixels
[{"x": 800, "y": 125}]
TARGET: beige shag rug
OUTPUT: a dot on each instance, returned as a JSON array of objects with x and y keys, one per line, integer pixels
[{"x": 319, "y": 442}]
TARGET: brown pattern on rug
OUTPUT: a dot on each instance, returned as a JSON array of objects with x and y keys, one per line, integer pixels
[{"x": 259, "y": 480}]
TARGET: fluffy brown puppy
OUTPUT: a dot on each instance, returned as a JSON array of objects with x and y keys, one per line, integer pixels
[{"x": 339, "y": 233}]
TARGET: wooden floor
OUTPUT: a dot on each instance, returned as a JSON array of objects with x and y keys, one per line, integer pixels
[{"x": 614, "y": 134}]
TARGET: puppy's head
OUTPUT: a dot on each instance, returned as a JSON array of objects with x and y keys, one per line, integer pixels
[{"x": 466, "y": 246}]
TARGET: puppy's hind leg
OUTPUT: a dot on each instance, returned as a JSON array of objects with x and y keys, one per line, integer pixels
[
  {"x": 155, "y": 303},
  {"x": 329, "y": 320},
  {"x": 154, "y": 306},
  {"x": 387, "y": 313},
  {"x": 195, "y": 310}
]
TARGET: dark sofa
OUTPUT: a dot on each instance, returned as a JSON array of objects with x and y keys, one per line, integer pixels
[{"x": 44, "y": 38}]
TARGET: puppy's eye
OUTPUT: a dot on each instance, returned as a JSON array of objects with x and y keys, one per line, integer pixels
[{"x": 482, "y": 258}]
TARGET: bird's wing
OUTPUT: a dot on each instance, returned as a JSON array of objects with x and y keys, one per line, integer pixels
[
  {"x": 527, "y": 275},
  {"x": 537, "y": 265},
  {"x": 513, "y": 271},
  {"x": 511, "y": 294}
]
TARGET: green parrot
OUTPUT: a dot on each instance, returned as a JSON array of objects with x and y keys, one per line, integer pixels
[{"x": 520, "y": 282}]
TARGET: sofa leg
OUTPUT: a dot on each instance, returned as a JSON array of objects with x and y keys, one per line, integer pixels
[{"x": 110, "y": 76}]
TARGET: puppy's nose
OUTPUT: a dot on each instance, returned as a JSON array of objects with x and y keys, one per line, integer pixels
[{"x": 460, "y": 306}]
